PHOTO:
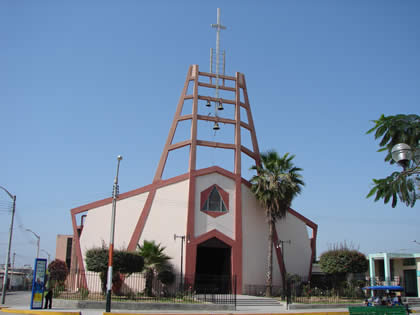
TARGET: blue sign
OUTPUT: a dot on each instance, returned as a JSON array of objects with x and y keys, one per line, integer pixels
[
  {"x": 38, "y": 283},
  {"x": 418, "y": 273}
]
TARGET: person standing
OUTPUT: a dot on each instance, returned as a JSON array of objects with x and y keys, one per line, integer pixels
[{"x": 48, "y": 289}]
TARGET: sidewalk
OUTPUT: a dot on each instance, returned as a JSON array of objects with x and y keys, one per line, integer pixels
[{"x": 18, "y": 303}]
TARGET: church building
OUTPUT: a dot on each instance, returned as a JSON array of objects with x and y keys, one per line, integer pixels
[{"x": 209, "y": 213}]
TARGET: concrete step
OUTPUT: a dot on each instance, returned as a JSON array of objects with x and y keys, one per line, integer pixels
[{"x": 257, "y": 302}]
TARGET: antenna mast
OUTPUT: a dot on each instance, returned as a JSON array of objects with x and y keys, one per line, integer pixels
[{"x": 218, "y": 28}]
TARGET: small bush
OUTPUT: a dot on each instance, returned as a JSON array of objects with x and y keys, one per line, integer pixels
[
  {"x": 59, "y": 287},
  {"x": 167, "y": 277},
  {"x": 84, "y": 293}
]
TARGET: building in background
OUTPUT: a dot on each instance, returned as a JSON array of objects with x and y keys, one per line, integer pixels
[
  {"x": 396, "y": 269},
  {"x": 64, "y": 249}
]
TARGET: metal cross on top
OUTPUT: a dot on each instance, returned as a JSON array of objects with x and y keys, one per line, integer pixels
[{"x": 218, "y": 28}]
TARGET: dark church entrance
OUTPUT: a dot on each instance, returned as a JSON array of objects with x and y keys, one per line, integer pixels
[{"x": 213, "y": 267}]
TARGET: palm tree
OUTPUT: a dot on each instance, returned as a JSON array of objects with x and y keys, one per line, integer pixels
[
  {"x": 276, "y": 184},
  {"x": 155, "y": 261}
]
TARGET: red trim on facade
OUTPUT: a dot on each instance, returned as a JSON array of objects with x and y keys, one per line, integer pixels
[
  {"x": 204, "y": 195},
  {"x": 238, "y": 248},
  {"x": 213, "y": 233},
  {"x": 190, "y": 249},
  {"x": 142, "y": 221},
  {"x": 301, "y": 217},
  {"x": 314, "y": 228},
  {"x": 279, "y": 255},
  {"x": 215, "y": 169},
  {"x": 78, "y": 249},
  {"x": 131, "y": 193},
  {"x": 214, "y": 214},
  {"x": 246, "y": 183}
]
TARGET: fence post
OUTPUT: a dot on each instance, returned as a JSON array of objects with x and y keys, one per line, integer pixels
[{"x": 234, "y": 293}]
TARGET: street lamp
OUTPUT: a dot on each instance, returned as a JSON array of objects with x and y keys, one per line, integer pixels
[
  {"x": 37, "y": 242},
  {"x": 48, "y": 254},
  {"x": 6, "y": 269},
  {"x": 115, "y": 193},
  {"x": 402, "y": 154},
  {"x": 182, "y": 237},
  {"x": 280, "y": 244}
]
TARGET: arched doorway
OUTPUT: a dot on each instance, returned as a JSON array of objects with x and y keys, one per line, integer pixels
[{"x": 213, "y": 267}]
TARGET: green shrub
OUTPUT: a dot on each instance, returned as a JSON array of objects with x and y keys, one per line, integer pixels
[
  {"x": 123, "y": 262},
  {"x": 84, "y": 293},
  {"x": 167, "y": 277},
  {"x": 58, "y": 288}
]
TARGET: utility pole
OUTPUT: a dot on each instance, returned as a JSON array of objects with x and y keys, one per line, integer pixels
[
  {"x": 13, "y": 269},
  {"x": 6, "y": 269}
]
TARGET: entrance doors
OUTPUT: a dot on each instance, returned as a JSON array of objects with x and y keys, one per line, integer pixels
[
  {"x": 213, "y": 267},
  {"x": 410, "y": 282}
]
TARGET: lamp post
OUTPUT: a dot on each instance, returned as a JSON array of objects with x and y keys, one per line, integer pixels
[
  {"x": 115, "y": 193},
  {"x": 182, "y": 237},
  {"x": 48, "y": 254},
  {"x": 409, "y": 159},
  {"x": 6, "y": 269},
  {"x": 37, "y": 242},
  {"x": 280, "y": 244}
]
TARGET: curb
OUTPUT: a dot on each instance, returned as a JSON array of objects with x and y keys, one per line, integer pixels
[
  {"x": 38, "y": 312},
  {"x": 279, "y": 313}
]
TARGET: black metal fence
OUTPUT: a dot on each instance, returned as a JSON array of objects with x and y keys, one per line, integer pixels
[
  {"x": 134, "y": 288},
  {"x": 320, "y": 290},
  {"x": 329, "y": 290}
]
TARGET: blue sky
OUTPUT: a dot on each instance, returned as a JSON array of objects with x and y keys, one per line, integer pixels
[{"x": 84, "y": 81}]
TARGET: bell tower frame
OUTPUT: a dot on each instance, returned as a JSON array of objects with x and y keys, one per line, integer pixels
[{"x": 198, "y": 79}]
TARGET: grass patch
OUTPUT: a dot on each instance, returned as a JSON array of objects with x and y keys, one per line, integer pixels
[{"x": 324, "y": 300}]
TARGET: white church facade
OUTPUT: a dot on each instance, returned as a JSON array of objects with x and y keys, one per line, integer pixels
[{"x": 223, "y": 225}]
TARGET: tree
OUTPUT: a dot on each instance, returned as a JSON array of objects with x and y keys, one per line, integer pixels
[
  {"x": 58, "y": 270},
  {"x": 399, "y": 185},
  {"x": 155, "y": 262},
  {"x": 276, "y": 184},
  {"x": 341, "y": 261},
  {"x": 123, "y": 262}
]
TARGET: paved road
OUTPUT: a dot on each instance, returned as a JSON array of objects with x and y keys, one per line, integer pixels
[{"x": 18, "y": 298}]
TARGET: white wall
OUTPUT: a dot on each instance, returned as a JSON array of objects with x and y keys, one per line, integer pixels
[
  {"x": 297, "y": 254},
  {"x": 255, "y": 240},
  {"x": 97, "y": 224},
  {"x": 255, "y": 237},
  {"x": 223, "y": 223},
  {"x": 168, "y": 216}
]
